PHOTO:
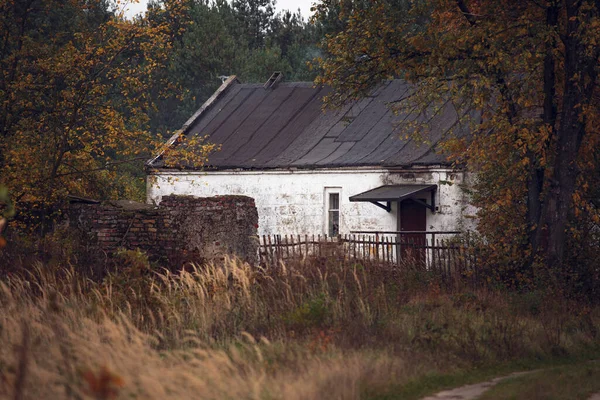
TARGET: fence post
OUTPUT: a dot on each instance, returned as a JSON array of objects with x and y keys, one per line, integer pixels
[
  {"x": 398, "y": 249},
  {"x": 264, "y": 250},
  {"x": 279, "y": 249},
  {"x": 377, "y": 246},
  {"x": 306, "y": 239},
  {"x": 319, "y": 243},
  {"x": 271, "y": 249},
  {"x": 432, "y": 250}
]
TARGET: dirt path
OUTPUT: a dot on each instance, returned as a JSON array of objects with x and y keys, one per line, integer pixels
[{"x": 471, "y": 392}]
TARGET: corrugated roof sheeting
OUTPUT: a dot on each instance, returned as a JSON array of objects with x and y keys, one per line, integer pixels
[{"x": 286, "y": 126}]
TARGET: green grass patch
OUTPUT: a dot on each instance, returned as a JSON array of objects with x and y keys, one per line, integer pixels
[
  {"x": 568, "y": 382},
  {"x": 432, "y": 383}
]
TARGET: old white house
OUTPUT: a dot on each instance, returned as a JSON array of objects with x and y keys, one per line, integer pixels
[{"x": 310, "y": 171}]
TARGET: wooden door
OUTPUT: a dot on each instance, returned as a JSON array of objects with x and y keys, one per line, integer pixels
[{"x": 412, "y": 217}]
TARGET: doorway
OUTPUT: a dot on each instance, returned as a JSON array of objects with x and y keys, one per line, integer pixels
[{"x": 412, "y": 217}]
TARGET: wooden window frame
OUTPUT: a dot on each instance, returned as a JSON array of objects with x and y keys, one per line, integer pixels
[{"x": 330, "y": 212}]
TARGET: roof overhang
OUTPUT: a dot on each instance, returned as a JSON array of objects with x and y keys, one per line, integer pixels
[{"x": 389, "y": 193}]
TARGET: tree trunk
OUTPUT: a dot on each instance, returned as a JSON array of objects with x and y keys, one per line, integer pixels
[
  {"x": 537, "y": 172},
  {"x": 580, "y": 81}
]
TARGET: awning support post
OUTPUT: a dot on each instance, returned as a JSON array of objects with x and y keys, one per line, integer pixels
[
  {"x": 424, "y": 204},
  {"x": 387, "y": 207}
]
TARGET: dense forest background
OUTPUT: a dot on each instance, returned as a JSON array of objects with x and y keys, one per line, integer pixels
[{"x": 216, "y": 39}]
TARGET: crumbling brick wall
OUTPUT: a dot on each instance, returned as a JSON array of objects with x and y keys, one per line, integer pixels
[{"x": 180, "y": 229}]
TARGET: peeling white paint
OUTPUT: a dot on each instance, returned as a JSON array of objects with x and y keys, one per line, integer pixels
[{"x": 293, "y": 201}]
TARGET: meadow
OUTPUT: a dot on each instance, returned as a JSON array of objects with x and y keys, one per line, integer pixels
[{"x": 314, "y": 328}]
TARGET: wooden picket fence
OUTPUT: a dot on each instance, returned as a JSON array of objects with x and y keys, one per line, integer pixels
[{"x": 444, "y": 252}]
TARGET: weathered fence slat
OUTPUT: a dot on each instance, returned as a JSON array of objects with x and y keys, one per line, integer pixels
[{"x": 449, "y": 259}]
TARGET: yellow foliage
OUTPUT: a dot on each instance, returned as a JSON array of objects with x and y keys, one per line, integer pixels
[
  {"x": 76, "y": 104},
  {"x": 488, "y": 57}
]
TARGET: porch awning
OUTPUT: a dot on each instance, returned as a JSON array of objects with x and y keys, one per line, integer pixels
[{"x": 389, "y": 193}]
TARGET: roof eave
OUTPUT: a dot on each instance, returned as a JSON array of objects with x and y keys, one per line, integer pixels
[{"x": 390, "y": 168}]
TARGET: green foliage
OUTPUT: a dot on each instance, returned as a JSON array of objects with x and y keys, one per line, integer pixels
[
  {"x": 215, "y": 39},
  {"x": 132, "y": 263},
  {"x": 6, "y": 205},
  {"x": 310, "y": 315},
  {"x": 7, "y": 210},
  {"x": 529, "y": 302},
  {"x": 254, "y": 20}
]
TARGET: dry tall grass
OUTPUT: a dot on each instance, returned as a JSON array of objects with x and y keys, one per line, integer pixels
[{"x": 319, "y": 328}]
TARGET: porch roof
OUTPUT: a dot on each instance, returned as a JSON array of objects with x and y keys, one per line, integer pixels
[{"x": 393, "y": 192}]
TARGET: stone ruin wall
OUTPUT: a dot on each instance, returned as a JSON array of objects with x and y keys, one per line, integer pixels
[{"x": 180, "y": 229}]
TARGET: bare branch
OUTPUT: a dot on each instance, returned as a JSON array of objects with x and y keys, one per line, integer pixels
[
  {"x": 105, "y": 167},
  {"x": 466, "y": 12}
]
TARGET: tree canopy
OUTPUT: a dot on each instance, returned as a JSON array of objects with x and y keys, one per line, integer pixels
[
  {"x": 86, "y": 96},
  {"x": 524, "y": 75},
  {"x": 74, "y": 95}
]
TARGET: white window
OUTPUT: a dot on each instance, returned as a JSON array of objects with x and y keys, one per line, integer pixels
[{"x": 332, "y": 207}]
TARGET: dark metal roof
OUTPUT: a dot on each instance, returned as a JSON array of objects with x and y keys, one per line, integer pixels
[
  {"x": 393, "y": 192},
  {"x": 285, "y": 127}
]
